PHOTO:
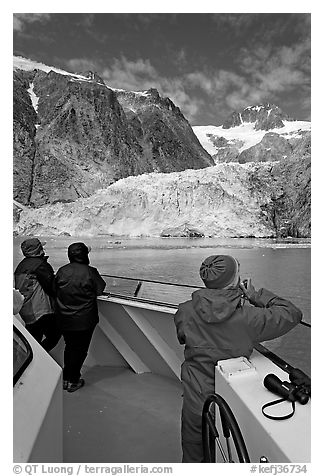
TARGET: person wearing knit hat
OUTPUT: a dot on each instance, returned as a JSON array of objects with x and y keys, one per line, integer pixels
[
  {"x": 34, "y": 278},
  {"x": 219, "y": 271},
  {"x": 221, "y": 321}
]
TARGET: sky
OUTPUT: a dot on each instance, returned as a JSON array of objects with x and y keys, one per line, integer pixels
[{"x": 208, "y": 64}]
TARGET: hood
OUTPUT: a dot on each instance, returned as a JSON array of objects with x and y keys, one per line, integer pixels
[
  {"x": 216, "y": 305},
  {"x": 78, "y": 253}
]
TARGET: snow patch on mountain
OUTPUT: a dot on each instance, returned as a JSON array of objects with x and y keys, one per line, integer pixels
[
  {"x": 33, "y": 97},
  {"x": 28, "y": 65},
  {"x": 255, "y": 108},
  {"x": 245, "y": 134}
]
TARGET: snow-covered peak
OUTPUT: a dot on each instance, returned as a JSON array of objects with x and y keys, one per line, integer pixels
[
  {"x": 264, "y": 116},
  {"x": 245, "y": 135}
]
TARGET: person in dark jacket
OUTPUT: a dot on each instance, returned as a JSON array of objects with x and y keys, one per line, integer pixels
[
  {"x": 34, "y": 278},
  {"x": 77, "y": 286},
  {"x": 216, "y": 324}
]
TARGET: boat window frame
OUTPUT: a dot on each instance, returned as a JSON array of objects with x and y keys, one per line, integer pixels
[{"x": 29, "y": 356}]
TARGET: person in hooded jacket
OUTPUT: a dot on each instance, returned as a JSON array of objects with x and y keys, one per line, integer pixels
[
  {"x": 216, "y": 324},
  {"x": 34, "y": 279},
  {"x": 77, "y": 286}
]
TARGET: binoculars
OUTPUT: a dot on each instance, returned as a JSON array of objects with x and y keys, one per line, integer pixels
[{"x": 297, "y": 390}]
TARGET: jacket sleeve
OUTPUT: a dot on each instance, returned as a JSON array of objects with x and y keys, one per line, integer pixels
[
  {"x": 45, "y": 276},
  {"x": 98, "y": 281},
  {"x": 179, "y": 323},
  {"x": 272, "y": 315}
]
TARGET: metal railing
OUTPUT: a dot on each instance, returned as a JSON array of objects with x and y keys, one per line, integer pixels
[
  {"x": 133, "y": 294},
  {"x": 139, "y": 284}
]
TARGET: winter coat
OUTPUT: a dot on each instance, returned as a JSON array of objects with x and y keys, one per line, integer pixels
[
  {"x": 214, "y": 325},
  {"x": 34, "y": 278},
  {"x": 77, "y": 286}
]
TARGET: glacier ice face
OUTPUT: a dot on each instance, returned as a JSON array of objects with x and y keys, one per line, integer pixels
[{"x": 227, "y": 200}]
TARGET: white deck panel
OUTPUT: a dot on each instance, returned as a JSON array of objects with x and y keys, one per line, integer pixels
[{"x": 280, "y": 441}]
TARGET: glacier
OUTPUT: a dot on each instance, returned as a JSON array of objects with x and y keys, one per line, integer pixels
[{"x": 215, "y": 201}]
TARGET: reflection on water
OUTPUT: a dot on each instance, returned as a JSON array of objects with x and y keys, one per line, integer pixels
[{"x": 281, "y": 266}]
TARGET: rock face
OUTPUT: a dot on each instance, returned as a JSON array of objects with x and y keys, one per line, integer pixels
[
  {"x": 73, "y": 137},
  {"x": 264, "y": 116},
  {"x": 271, "y": 148},
  {"x": 24, "y": 131},
  {"x": 163, "y": 132},
  {"x": 291, "y": 209}
]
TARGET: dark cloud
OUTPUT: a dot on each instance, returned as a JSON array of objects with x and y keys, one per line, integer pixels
[
  {"x": 236, "y": 22},
  {"x": 208, "y": 64}
]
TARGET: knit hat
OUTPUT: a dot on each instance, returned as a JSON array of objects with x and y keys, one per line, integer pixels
[
  {"x": 218, "y": 271},
  {"x": 78, "y": 252},
  {"x": 32, "y": 247}
]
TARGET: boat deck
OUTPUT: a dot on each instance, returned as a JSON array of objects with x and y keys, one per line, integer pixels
[{"x": 122, "y": 417}]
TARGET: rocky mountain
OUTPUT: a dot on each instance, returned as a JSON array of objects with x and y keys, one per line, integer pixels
[
  {"x": 160, "y": 127},
  {"x": 91, "y": 160},
  {"x": 256, "y": 134},
  {"x": 74, "y": 135},
  {"x": 264, "y": 116}
]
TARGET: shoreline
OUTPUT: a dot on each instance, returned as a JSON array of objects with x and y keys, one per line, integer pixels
[{"x": 121, "y": 242}]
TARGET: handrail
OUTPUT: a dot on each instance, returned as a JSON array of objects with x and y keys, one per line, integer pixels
[
  {"x": 141, "y": 280},
  {"x": 138, "y": 299},
  {"x": 274, "y": 358},
  {"x": 155, "y": 282},
  {"x": 306, "y": 324}
]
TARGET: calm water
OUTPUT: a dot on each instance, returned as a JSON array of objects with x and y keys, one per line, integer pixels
[{"x": 280, "y": 266}]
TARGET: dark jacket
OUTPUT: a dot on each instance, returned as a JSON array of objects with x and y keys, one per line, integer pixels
[
  {"x": 77, "y": 286},
  {"x": 34, "y": 278},
  {"x": 214, "y": 326}
]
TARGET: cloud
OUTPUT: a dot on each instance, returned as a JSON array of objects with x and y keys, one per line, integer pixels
[
  {"x": 138, "y": 21},
  {"x": 278, "y": 69},
  {"x": 236, "y": 22},
  {"x": 198, "y": 79},
  {"x": 179, "y": 58},
  {"x": 226, "y": 91},
  {"x": 141, "y": 75},
  {"x": 78, "y": 65},
  {"x": 87, "y": 20},
  {"x": 20, "y": 20},
  {"x": 260, "y": 74},
  {"x": 130, "y": 75}
]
